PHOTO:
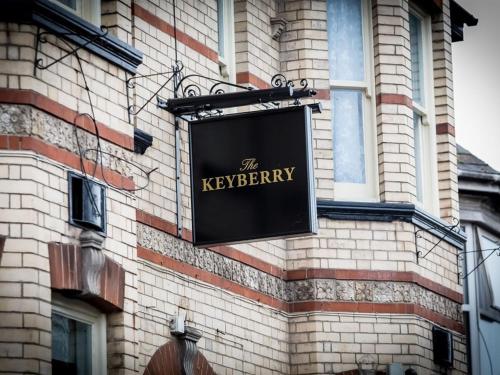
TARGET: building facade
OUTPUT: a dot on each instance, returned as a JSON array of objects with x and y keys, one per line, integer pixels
[
  {"x": 98, "y": 270},
  {"x": 479, "y": 185}
]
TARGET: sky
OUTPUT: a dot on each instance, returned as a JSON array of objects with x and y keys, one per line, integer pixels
[{"x": 476, "y": 80}]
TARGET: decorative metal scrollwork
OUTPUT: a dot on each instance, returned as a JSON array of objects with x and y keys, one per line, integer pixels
[
  {"x": 198, "y": 85},
  {"x": 279, "y": 80},
  {"x": 186, "y": 87},
  {"x": 41, "y": 38}
]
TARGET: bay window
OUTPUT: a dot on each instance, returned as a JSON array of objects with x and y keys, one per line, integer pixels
[
  {"x": 423, "y": 111},
  {"x": 351, "y": 92}
]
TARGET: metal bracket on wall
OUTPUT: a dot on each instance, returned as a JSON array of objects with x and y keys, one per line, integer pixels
[
  {"x": 191, "y": 102},
  {"x": 452, "y": 228},
  {"x": 41, "y": 38},
  {"x": 188, "y": 88},
  {"x": 485, "y": 255}
]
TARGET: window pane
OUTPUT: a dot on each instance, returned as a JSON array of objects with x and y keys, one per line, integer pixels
[
  {"x": 345, "y": 38},
  {"x": 492, "y": 266},
  {"x": 348, "y": 138},
  {"x": 220, "y": 26},
  {"x": 417, "y": 136},
  {"x": 71, "y": 346},
  {"x": 416, "y": 58}
]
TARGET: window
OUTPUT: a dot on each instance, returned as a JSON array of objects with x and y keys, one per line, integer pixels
[
  {"x": 489, "y": 275},
  {"x": 351, "y": 88},
  {"x": 225, "y": 30},
  {"x": 78, "y": 338},
  {"x": 423, "y": 111},
  {"x": 87, "y": 203},
  {"x": 89, "y": 10}
]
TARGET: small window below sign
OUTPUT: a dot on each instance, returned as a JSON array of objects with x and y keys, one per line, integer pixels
[{"x": 87, "y": 203}]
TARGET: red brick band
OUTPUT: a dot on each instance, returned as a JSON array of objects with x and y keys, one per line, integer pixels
[
  {"x": 322, "y": 94},
  {"x": 37, "y": 100},
  {"x": 394, "y": 99},
  {"x": 445, "y": 128},
  {"x": 305, "y": 306},
  {"x": 68, "y": 158},
  {"x": 252, "y": 79},
  {"x": 167, "y": 28}
]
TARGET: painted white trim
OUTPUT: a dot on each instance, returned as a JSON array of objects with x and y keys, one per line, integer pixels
[
  {"x": 78, "y": 310},
  {"x": 367, "y": 192},
  {"x": 227, "y": 64}
]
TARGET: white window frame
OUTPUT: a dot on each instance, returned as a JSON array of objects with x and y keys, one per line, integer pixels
[
  {"x": 82, "y": 312},
  {"x": 89, "y": 10},
  {"x": 367, "y": 192},
  {"x": 227, "y": 62},
  {"x": 427, "y": 129}
]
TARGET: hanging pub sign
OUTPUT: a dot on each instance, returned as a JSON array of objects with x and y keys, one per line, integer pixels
[{"x": 252, "y": 176}]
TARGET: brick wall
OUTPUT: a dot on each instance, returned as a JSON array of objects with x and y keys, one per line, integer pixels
[{"x": 306, "y": 305}]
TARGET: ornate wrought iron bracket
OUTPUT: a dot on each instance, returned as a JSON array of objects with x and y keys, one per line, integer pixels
[
  {"x": 190, "y": 102},
  {"x": 188, "y": 99},
  {"x": 453, "y": 228},
  {"x": 41, "y": 38}
]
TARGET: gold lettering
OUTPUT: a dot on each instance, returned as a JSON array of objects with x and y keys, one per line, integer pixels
[
  {"x": 219, "y": 183},
  {"x": 206, "y": 184},
  {"x": 289, "y": 172},
  {"x": 253, "y": 178},
  {"x": 249, "y": 164},
  {"x": 242, "y": 180},
  {"x": 248, "y": 178},
  {"x": 277, "y": 175},
  {"x": 264, "y": 177},
  {"x": 230, "y": 180}
]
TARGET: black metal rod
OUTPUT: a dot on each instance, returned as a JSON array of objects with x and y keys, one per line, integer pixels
[{"x": 195, "y": 104}]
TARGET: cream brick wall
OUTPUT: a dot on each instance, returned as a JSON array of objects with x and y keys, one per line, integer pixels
[
  {"x": 376, "y": 246},
  {"x": 394, "y": 122},
  {"x": 62, "y": 82},
  {"x": 34, "y": 212},
  {"x": 256, "y": 51},
  {"x": 252, "y": 338},
  {"x": 239, "y": 335},
  {"x": 322, "y": 343},
  {"x": 443, "y": 93},
  {"x": 304, "y": 55}
]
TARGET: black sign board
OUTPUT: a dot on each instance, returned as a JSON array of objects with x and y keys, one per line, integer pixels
[{"x": 252, "y": 176}]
